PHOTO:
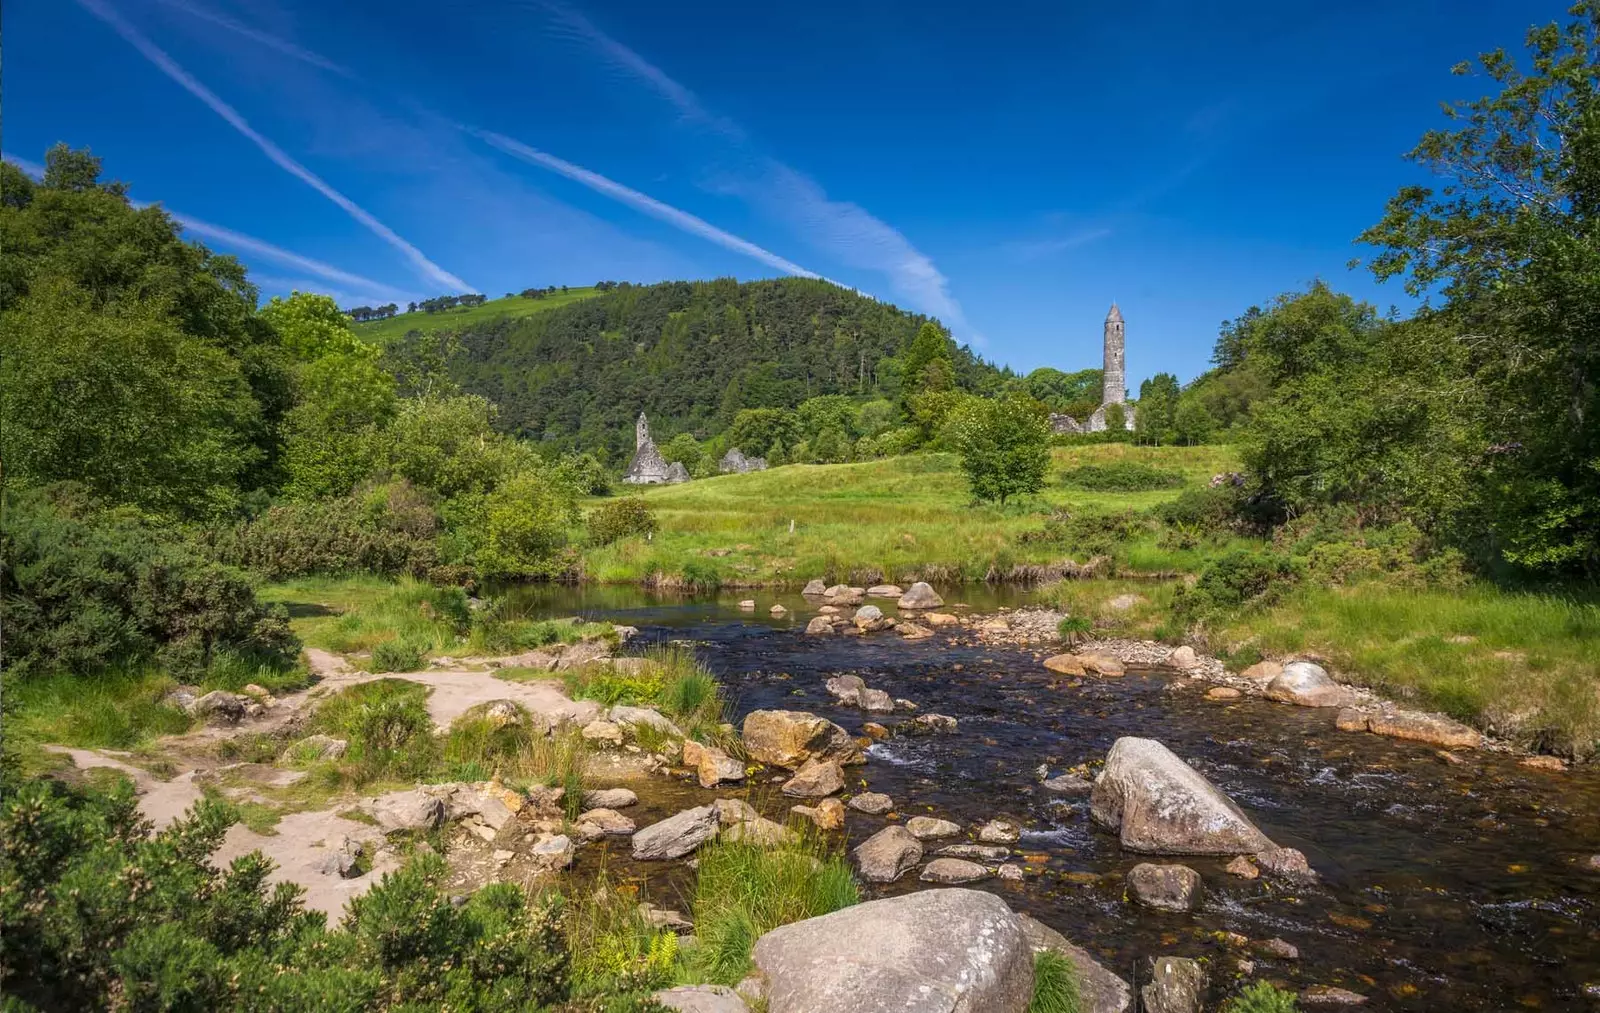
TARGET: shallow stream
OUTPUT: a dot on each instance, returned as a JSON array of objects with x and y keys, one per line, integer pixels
[{"x": 1443, "y": 886}]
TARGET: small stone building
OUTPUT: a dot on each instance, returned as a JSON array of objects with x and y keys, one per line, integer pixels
[{"x": 648, "y": 467}]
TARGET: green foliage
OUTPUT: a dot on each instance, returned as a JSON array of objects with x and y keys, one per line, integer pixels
[
  {"x": 387, "y": 726},
  {"x": 448, "y": 445},
  {"x": 334, "y": 437},
  {"x": 672, "y": 680},
  {"x": 1074, "y": 628},
  {"x": 1122, "y": 476},
  {"x": 1156, "y": 420},
  {"x": 396, "y": 656},
  {"x": 701, "y": 576},
  {"x": 312, "y": 326},
  {"x": 1076, "y": 394},
  {"x": 744, "y": 890},
  {"x": 1055, "y": 984},
  {"x": 1234, "y": 582},
  {"x": 84, "y": 588},
  {"x": 620, "y": 518},
  {"x": 761, "y": 428},
  {"x": 683, "y": 449},
  {"x": 1004, "y": 445},
  {"x": 1262, "y": 997},
  {"x": 387, "y": 529}
]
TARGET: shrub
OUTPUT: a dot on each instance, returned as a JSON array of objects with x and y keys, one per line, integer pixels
[
  {"x": 390, "y": 529},
  {"x": 1233, "y": 582},
  {"x": 1074, "y": 628},
  {"x": 1262, "y": 997},
  {"x": 84, "y": 588},
  {"x": 387, "y": 726},
  {"x": 621, "y": 518},
  {"x": 1055, "y": 984},
  {"x": 102, "y": 914},
  {"x": 701, "y": 576},
  {"x": 1004, "y": 444},
  {"x": 396, "y": 656},
  {"x": 1122, "y": 476}
]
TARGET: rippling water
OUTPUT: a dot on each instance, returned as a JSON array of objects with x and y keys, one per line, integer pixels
[{"x": 1444, "y": 887}]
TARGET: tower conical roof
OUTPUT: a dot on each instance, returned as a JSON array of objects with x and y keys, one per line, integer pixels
[{"x": 1115, "y": 313}]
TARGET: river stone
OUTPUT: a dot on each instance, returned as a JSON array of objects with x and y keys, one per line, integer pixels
[
  {"x": 819, "y": 626},
  {"x": 934, "y": 951},
  {"x": 716, "y": 767},
  {"x": 609, "y": 822},
  {"x": 759, "y": 831},
  {"x": 876, "y": 701},
  {"x": 1432, "y": 729},
  {"x": 1069, "y": 784},
  {"x": 553, "y": 852},
  {"x": 929, "y": 724},
  {"x": 1000, "y": 832},
  {"x": 748, "y": 605},
  {"x": 1278, "y": 948},
  {"x": 885, "y": 591},
  {"x": 675, "y": 836},
  {"x": 846, "y": 688},
  {"x": 1103, "y": 664},
  {"x": 925, "y": 828},
  {"x": 828, "y": 610},
  {"x": 643, "y": 716},
  {"x": 1064, "y": 664},
  {"x": 789, "y": 738},
  {"x": 975, "y": 852},
  {"x": 1307, "y": 684},
  {"x": 814, "y": 587},
  {"x": 873, "y": 730},
  {"x": 952, "y": 871},
  {"x": 1160, "y": 805},
  {"x": 843, "y": 594},
  {"x": 1223, "y": 693},
  {"x": 1327, "y": 995},
  {"x": 1288, "y": 863},
  {"x": 1242, "y": 867},
  {"x": 1010, "y": 871},
  {"x": 415, "y": 809},
  {"x": 1164, "y": 887},
  {"x": 870, "y": 617},
  {"x": 701, "y": 999},
  {"x": 941, "y": 619},
  {"x": 777, "y": 610},
  {"x": 827, "y": 814},
  {"x": 874, "y": 802},
  {"x": 1176, "y": 986},
  {"x": 1183, "y": 659},
  {"x": 734, "y": 810},
  {"x": 920, "y": 596},
  {"x": 911, "y": 631},
  {"x": 887, "y": 855},
  {"x": 815, "y": 779},
  {"x": 1099, "y": 990}
]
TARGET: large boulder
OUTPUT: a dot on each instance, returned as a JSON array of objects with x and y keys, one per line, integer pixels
[
  {"x": 1099, "y": 991},
  {"x": 1160, "y": 805},
  {"x": 870, "y": 617},
  {"x": 676, "y": 836},
  {"x": 790, "y": 738},
  {"x": 1164, "y": 887},
  {"x": 1306, "y": 684},
  {"x": 1177, "y": 985},
  {"x": 920, "y": 596},
  {"x": 936, "y": 951},
  {"x": 416, "y": 809},
  {"x": 887, "y": 855}
]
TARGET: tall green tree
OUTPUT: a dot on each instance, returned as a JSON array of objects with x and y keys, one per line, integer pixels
[
  {"x": 1155, "y": 421},
  {"x": 1004, "y": 444},
  {"x": 1511, "y": 241}
]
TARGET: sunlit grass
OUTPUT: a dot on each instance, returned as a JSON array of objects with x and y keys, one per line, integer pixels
[
  {"x": 116, "y": 709},
  {"x": 397, "y": 326},
  {"x": 671, "y": 680}
]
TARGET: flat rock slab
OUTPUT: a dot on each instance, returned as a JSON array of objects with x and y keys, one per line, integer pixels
[
  {"x": 935, "y": 951},
  {"x": 701, "y": 999},
  {"x": 874, "y": 802},
  {"x": 953, "y": 871},
  {"x": 925, "y": 828},
  {"x": 300, "y": 850},
  {"x": 1430, "y": 729},
  {"x": 676, "y": 836},
  {"x": 1160, "y": 805}
]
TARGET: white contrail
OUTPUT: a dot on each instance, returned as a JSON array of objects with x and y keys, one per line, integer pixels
[
  {"x": 649, "y": 205},
  {"x": 240, "y": 241},
  {"x": 169, "y": 67},
  {"x": 267, "y": 39}
]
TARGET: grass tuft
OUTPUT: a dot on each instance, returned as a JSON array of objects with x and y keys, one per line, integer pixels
[
  {"x": 1262, "y": 997},
  {"x": 1055, "y": 984}
]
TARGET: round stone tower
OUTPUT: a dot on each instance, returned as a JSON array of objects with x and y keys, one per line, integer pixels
[{"x": 1115, "y": 386}]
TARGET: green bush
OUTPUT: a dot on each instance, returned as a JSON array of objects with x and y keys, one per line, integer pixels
[
  {"x": 1122, "y": 476},
  {"x": 1055, "y": 984},
  {"x": 621, "y": 518},
  {"x": 396, "y": 656},
  {"x": 1262, "y": 997},
  {"x": 102, "y": 914},
  {"x": 389, "y": 529},
  {"x": 387, "y": 726},
  {"x": 84, "y": 588},
  {"x": 1233, "y": 582}
]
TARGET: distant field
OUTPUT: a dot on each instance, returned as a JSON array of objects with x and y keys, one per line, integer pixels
[
  {"x": 514, "y": 306},
  {"x": 896, "y": 516}
]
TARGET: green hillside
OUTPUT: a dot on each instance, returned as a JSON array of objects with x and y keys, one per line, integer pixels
[
  {"x": 512, "y": 306},
  {"x": 692, "y": 355}
]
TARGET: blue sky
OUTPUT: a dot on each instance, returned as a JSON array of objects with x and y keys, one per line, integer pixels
[{"x": 1009, "y": 169}]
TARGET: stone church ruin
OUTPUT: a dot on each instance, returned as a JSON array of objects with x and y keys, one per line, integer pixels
[
  {"x": 648, "y": 467},
  {"x": 1113, "y": 387}
]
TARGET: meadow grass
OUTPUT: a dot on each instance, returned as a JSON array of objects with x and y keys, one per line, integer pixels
[
  {"x": 382, "y": 332},
  {"x": 115, "y": 709},
  {"x": 1526, "y": 666},
  {"x": 1055, "y": 984},
  {"x": 890, "y": 519},
  {"x": 671, "y": 680}
]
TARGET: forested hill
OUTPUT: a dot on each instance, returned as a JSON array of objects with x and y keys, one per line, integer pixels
[{"x": 691, "y": 354}]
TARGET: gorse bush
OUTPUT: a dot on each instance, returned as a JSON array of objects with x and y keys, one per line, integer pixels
[
  {"x": 389, "y": 529},
  {"x": 1122, "y": 476},
  {"x": 102, "y": 914},
  {"x": 1236, "y": 581},
  {"x": 387, "y": 726},
  {"x": 621, "y": 518},
  {"x": 84, "y": 587}
]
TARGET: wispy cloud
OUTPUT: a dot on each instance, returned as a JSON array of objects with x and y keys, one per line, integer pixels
[
  {"x": 344, "y": 297},
  {"x": 643, "y": 202},
  {"x": 1039, "y": 249},
  {"x": 836, "y": 228},
  {"x": 250, "y": 244},
  {"x": 267, "y": 39},
  {"x": 168, "y": 66}
]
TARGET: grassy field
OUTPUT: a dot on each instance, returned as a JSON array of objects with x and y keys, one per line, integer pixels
[
  {"x": 397, "y": 326},
  {"x": 885, "y": 519}
]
